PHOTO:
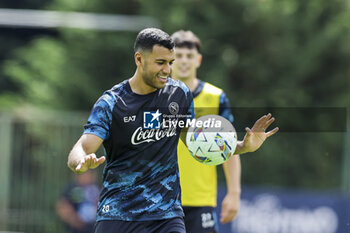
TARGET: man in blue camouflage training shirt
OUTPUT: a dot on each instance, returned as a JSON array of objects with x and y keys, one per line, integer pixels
[{"x": 141, "y": 190}]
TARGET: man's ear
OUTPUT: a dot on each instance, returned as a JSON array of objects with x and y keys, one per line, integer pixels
[
  {"x": 199, "y": 60},
  {"x": 138, "y": 58}
]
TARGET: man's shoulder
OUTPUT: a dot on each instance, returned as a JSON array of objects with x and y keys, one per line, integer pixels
[
  {"x": 111, "y": 95},
  {"x": 120, "y": 87},
  {"x": 209, "y": 88},
  {"x": 178, "y": 84}
]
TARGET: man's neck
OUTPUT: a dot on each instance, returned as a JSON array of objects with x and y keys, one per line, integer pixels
[
  {"x": 192, "y": 83},
  {"x": 138, "y": 86}
]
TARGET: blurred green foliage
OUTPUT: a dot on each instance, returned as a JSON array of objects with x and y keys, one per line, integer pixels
[{"x": 275, "y": 53}]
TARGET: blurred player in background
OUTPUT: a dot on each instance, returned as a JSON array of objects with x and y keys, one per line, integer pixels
[
  {"x": 199, "y": 181},
  {"x": 78, "y": 204}
]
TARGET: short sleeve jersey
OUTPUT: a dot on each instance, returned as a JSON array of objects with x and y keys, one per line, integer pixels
[{"x": 141, "y": 177}]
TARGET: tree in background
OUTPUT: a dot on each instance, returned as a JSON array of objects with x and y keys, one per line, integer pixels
[
  {"x": 10, "y": 40},
  {"x": 71, "y": 69},
  {"x": 69, "y": 72}
]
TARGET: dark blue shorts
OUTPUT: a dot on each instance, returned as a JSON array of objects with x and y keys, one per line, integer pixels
[
  {"x": 173, "y": 225},
  {"x": 200, "y": 219}
]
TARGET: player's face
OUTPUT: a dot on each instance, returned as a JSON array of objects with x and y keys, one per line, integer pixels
[
  {"x": 157, "y": 66},
  {"x": 186, "y": 63}
]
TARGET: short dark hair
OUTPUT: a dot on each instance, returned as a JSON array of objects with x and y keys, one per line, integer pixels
[
  {"x": 186, "y": 39},
  {"x": 149, "y": 37}
]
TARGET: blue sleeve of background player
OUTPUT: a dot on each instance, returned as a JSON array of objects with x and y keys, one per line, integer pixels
[
  {"x": 190, "y": 102},
  {"x": 225, "y": 108},
  {"x": 100, "y": 119},
  {"x": 191, "y": 111}
]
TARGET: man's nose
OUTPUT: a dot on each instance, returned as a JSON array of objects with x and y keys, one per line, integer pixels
[{"x": 167, "y": 68}]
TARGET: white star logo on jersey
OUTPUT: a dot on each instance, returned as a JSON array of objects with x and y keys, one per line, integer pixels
[
  {"x": 156, "y": 115},
  {"x": 152, "y": 120}
]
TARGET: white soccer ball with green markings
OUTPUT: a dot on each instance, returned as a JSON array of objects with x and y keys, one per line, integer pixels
[{"x": 212, "y": 140}]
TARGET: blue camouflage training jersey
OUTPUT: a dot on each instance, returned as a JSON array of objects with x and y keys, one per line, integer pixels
[{"x": 141, "y": 178}]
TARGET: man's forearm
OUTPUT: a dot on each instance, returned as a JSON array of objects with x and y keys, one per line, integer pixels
[
  {"x": 88, "y": 144},
  {"x": 76, "y": 154},
  {"x": 232, "y": 170}
]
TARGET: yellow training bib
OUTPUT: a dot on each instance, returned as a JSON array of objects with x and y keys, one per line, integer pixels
[{"x": 198, "y": 181}]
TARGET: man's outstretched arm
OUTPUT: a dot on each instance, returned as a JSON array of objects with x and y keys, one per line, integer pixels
[{"x": 82, "y": 157}]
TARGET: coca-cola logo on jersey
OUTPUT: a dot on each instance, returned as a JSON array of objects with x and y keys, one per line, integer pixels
[
  {"x": 150, "y": 135},
  {"x": 156, "y": 126}
]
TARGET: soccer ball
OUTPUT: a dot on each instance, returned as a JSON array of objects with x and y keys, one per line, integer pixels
[{"x": 211, "y": 140}]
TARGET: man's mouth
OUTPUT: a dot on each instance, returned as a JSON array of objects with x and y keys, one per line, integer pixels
[
  {"x": 183, "y": 70},
  {"x": 163, "y": 78}
]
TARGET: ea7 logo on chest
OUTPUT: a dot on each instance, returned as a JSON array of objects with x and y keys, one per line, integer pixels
[{"x": 129, "y": 118}]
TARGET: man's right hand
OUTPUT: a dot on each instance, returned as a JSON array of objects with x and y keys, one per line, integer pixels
[
  {"x": 82, "y": 157},
  {"x": 89, "y": 162}
]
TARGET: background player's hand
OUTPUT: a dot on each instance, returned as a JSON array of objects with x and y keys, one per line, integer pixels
[
  {"x": 89, "y": 162},
  {"x": 229, "y": 207},
  {"x": 256, "y": 136}
]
